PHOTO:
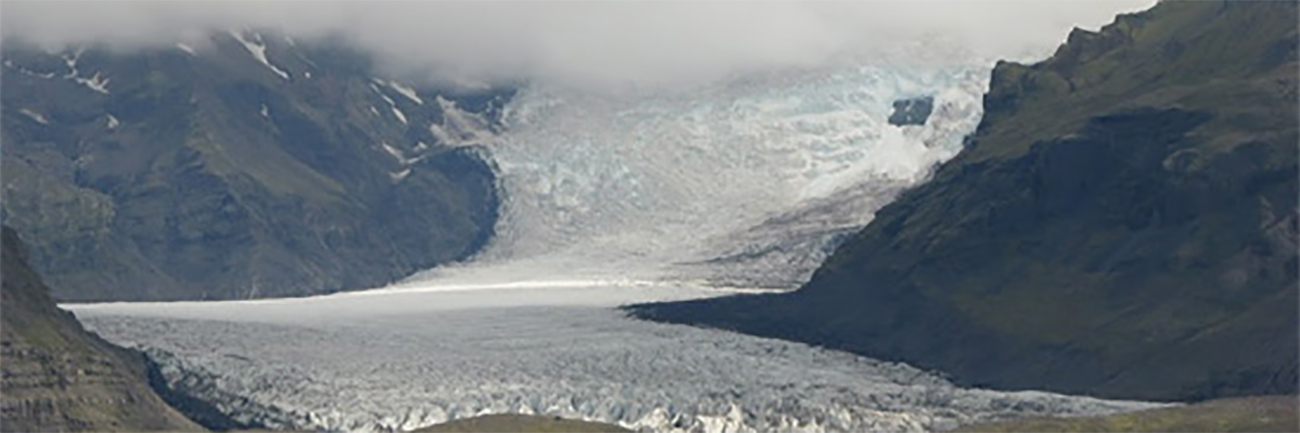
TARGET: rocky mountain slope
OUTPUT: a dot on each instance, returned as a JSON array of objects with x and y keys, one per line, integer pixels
[
  {"x": 1122, "y": 224},
  {"x": 247, "y": 165},
  {"x": 58, "y": 377}
]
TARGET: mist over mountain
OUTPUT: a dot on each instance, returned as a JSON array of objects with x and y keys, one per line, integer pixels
[
  {"x": 835, "y": 216},
  {"x": 592, "y": 45}
]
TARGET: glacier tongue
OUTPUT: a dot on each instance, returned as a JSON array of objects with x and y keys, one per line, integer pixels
[
  {"x": 403, "y": 359},
  {"x": 651, "y": 186}
]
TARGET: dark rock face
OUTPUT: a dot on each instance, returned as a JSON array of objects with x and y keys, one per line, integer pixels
[
  {"x": 57, "y": 376},
  {"x": 1123, "y": 224},
  {"x": 164, "y": 174},
  {"x": 914, "y": 111}
]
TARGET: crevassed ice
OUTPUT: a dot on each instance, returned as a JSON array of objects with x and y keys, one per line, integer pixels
[
  {"x": 641, "y": 187},
  {"x": 405, "y": 359}
]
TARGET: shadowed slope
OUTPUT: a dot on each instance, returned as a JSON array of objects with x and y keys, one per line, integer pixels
[
  {"x": 1123, "y": 224},
  {"x": 57, "y": 376}
]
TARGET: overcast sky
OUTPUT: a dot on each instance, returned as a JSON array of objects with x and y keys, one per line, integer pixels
[{"x": 643, "y": 41}]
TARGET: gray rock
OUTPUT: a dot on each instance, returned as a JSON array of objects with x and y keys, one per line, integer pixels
[{"x": 913, "y": 111}]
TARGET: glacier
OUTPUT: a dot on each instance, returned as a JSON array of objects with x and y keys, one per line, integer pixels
[
  {"x": 659, "y": 186},
  {"x": 395, "y": 360},
  {"x": 611, "y": 199}
]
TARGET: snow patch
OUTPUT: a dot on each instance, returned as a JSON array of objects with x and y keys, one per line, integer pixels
[
  {"x": 265, "y": 112},
  {"x": 38, "y": 117},
  {"x": 397, "y": 153},
  {"x": 71, "y": 61},
  {"x": 460, "y": 127},
  {"x": 399, "y": 176},
  {"x": 258, "y": 50},
  {"x": 186, "y": 48},
  {"x": 96, "y": 83},
  {"x": 10, "y": 64},
  {"x": 112, "y": 122},
  {"x": 408, "y": 92},
  {"x": 392, "y": 105},
  {"x": 306, "y": 74}
]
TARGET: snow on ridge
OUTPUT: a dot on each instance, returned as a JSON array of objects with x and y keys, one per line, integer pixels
[
  {"x": 401, "y": 156},
  {"x": 10, "y": 64},
  {"x": 405, "y": 91},
  {"x": 392, "y": 105},
  {"x": 71, "y": 62},
  {"x": 459, "y": 127},
  {"x": 96, "y": 83},
  {"x": 258, "y": 50},
  {"x": 399, "y": 176},
  {"x": 38, "y": 117}
]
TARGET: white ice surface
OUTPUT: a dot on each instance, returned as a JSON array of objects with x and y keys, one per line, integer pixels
[{"x": 403, "y": 359}]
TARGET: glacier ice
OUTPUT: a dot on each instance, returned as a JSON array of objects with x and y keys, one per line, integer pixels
[
  {"x": 401, "y": 359},
  {"x": 657, "y": 186},
  {"x": 610, "y": 199}
]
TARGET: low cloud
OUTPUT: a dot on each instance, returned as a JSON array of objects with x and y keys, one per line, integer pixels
[{"x": 644, "y": 42}]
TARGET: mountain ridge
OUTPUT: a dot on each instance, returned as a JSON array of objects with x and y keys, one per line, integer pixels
[
  {"x": 1121, "y": 224},
  {"x": 250, "y": 166}
]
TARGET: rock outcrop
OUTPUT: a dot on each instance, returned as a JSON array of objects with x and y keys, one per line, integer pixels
[{"x": 57, "y": 376}]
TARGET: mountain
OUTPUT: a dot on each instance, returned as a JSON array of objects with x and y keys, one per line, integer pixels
[
  {"x": 57, "y": 376},
  {"x": 245, "y": 165},
  {"x": 1123, "y": 223}
]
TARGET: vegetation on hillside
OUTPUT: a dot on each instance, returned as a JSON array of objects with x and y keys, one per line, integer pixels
[
  {"x": 1123, "y": 224},
  {"x": 57, "y": 376}
]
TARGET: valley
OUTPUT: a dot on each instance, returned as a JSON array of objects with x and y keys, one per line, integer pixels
[{"x": 879, "y": 227}]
